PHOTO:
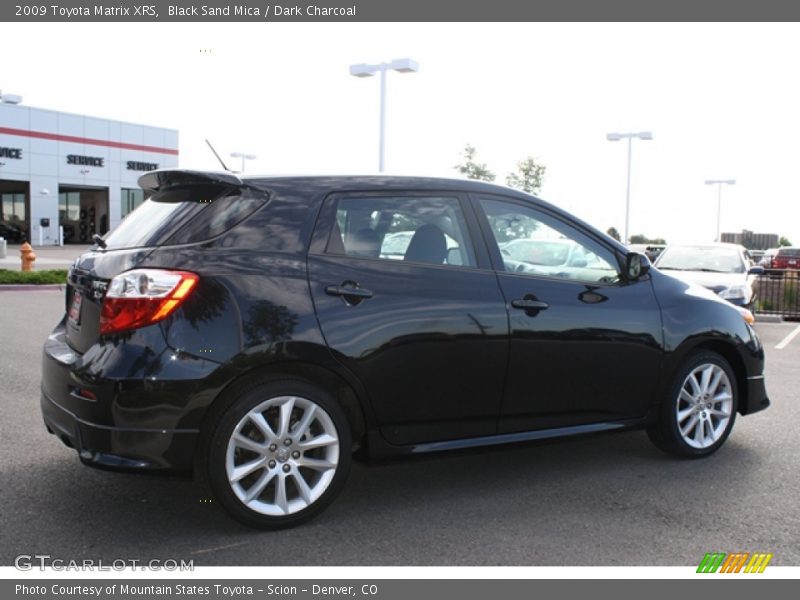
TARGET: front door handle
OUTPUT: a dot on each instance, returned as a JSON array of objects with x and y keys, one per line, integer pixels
[
  {"x": 529, "y": 304},
  {"x": 350, "y": 292}
]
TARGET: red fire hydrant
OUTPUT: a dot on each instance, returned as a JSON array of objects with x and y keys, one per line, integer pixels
[{"x": 27, "y": 256}]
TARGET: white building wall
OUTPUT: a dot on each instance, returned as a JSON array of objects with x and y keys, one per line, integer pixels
[{"x": 44, "y": 160}]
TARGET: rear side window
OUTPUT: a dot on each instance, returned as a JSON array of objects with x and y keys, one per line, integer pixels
[
  {"x": 184, "y": 215},
  {"x": 420, "y": 229}
]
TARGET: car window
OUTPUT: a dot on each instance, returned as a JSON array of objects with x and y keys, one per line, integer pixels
[
  {"x": 532, "y": 243},
  {"x": 184, "y": 214},
  {"x": 417, "y": 229}
]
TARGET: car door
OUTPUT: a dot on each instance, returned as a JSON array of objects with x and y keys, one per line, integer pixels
[
  {"x": 410, "y": 305},
  {"x": 585, "y": 344}
]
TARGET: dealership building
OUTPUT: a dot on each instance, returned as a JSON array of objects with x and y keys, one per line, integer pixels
[{"x": 72, "y": 175}]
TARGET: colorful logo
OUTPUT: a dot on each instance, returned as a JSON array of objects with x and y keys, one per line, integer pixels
[{"x": 738, "y": 562}]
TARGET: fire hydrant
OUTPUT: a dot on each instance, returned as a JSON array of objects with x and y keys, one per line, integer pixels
[{"x": 27, "y": 256}]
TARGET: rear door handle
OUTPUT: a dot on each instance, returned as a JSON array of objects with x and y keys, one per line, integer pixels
[
  {"x": 350, "y": 292},
  {"x": 529, "y": 304},
  {"x": 340, "y": 290}
]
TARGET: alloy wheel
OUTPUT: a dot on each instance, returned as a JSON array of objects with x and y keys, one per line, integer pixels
[
  {"x": 282, "y": 455},
  {"x": 704, "y": 406}
]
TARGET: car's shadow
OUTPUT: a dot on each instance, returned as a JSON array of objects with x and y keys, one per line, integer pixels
[{"x": 67, "y": 510}]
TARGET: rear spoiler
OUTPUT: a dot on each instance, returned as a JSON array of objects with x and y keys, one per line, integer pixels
[{"x": 164, "y": 179}]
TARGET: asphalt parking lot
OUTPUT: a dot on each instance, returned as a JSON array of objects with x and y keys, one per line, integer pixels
[{"x": 601, "y": 500}]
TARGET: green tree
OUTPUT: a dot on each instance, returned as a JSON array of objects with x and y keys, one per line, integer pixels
[
  {"x": 472, "y": 169},
  {"x": 638, "y": 238},
  {"x": 783, "y": 241},
  {"x": 528, "y": 176},
  {"x": 612, "y": 231}
]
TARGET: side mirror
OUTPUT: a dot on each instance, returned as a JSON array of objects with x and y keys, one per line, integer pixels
[
  {"x": 636, "y": 266},
  {"x": 755, "y": 270}
]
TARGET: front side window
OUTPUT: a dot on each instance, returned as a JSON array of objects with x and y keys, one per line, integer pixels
[
  {"x": 418, "y": 229},
  {"x": 533, "y": 243}
]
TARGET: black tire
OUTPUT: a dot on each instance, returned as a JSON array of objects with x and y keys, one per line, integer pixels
[
  {"x": 689, "y": 441},
  {"x": 285, "y": 463}
]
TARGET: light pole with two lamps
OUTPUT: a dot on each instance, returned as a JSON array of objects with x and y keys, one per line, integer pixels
[
  {"x": 244, "y": 157},
  {"x": 401, "y": 65},
  {"x": 615, "y": 137}
]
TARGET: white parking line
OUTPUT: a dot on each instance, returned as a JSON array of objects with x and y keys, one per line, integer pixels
[{"x": 785, "y": 341}]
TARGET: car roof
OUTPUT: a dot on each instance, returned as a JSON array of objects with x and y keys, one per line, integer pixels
[{"x": 319, "y": 184}]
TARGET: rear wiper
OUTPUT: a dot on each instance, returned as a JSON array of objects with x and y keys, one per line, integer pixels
[{"x": 710, "y": 271}]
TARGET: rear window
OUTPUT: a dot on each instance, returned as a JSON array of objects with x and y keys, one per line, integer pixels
[
  {"x": 794, "y": 252},
  {"x": 184, "y": 215}
]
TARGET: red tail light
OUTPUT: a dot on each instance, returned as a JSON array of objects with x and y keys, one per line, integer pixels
[{"x": 142, "y": 297}]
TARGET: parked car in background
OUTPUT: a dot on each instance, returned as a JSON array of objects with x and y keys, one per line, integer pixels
[
  {"x": 768, "y": 257},
  {"x": 787, "y": 257},
  {"x": 11, "y": 233},
  {"x": 725, "y": 269},
  {"x": 259, "y": 330}
]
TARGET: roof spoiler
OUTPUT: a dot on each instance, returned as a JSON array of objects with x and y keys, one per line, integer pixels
[{"x": 163, "y": 179}]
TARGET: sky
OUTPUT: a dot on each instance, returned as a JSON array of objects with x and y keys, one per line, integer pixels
[{"x": 721, "y": 100}]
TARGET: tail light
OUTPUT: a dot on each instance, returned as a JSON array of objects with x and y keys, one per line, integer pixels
[{"x": 142, "y": 297}]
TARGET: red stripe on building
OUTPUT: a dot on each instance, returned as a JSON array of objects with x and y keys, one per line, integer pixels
[{"x": 80, "y": 140}]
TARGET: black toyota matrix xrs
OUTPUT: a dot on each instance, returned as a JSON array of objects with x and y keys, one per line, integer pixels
[{"x": 258, "y": 330}]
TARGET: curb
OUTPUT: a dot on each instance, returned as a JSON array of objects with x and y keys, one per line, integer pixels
[
  {"x": 30, "y": 287},
  {"x": 769, "y": 318}
]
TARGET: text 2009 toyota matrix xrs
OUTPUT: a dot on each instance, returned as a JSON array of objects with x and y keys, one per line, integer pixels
[{"x": 259, "y": 330}]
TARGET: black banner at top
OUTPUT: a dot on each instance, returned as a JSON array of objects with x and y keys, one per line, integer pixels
[{"x": 398, "y": 10}]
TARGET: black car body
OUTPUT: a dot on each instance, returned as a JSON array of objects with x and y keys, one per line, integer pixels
[{"x": 286, "y": 316}]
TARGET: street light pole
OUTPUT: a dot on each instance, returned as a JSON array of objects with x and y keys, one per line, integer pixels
[
  {"x": 244, "y": 157},
  {"x": 401, "y": 65},
  {"x": 615, "y": 137},
  {"x": 719, "y": 183},
  {"x": 382, "y": 137}
]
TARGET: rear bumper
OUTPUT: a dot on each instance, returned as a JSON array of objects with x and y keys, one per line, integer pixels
[
  {"x": 115, "y": 423},
  {"x": 117, "y": 448}
]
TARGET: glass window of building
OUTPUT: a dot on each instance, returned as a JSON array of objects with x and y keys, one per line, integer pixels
[{"x": 131, "y": 198}]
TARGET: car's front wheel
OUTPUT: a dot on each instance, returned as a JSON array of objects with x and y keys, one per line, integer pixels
[
  {"x": 279, "y": 454},
  {"x": 698, "y": 411}
]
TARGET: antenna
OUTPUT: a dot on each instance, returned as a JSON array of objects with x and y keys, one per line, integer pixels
[{"x": 218, "y": 157}]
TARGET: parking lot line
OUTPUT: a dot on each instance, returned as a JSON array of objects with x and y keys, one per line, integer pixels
[{"x": 785, "y": 341}]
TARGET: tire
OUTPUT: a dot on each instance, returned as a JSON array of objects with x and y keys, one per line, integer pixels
[
  {"x": 278, "y": 454},
  {"x": 699, "y": 409}
]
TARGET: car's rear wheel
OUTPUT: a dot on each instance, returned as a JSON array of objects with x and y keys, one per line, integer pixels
[
  {"x": 698, "y": 412},
  {"x": 279, "y": 454}
]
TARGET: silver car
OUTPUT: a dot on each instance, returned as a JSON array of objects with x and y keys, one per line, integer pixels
[{"x": 724, "y": 269}]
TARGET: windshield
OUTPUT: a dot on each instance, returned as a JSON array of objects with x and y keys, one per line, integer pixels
[{"x": 712, "y": 259}]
